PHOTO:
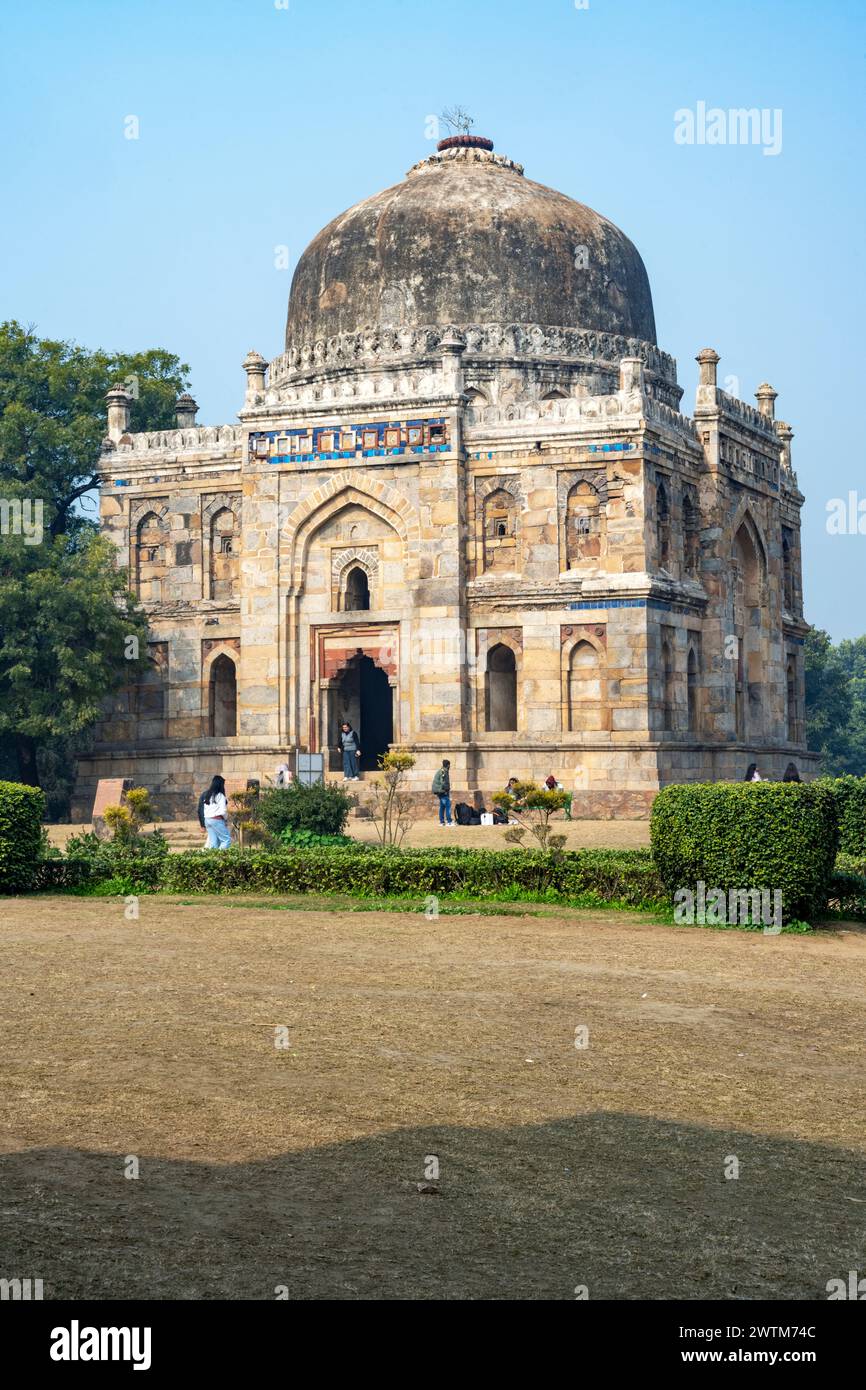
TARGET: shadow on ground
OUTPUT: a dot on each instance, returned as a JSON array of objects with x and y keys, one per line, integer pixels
[{"x": 630, "y": 1207}]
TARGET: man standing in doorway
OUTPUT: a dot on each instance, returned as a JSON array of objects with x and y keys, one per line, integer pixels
[
  {"x": 351, "y": 752},
  {"x": 442, "y": 789}
]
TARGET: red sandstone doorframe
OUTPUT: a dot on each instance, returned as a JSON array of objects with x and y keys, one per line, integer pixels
[{"x": 332, "y": 647}]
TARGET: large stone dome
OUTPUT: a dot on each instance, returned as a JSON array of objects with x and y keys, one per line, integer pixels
[{"x": 466, "y": 239}]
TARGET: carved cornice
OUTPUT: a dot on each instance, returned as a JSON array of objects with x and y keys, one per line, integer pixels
[
  {"x": 465, "y": 154},
  {"x": 484, "y": 341}
]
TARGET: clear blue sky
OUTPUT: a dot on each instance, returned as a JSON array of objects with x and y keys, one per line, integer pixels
[{"x": 258, "y": 124}]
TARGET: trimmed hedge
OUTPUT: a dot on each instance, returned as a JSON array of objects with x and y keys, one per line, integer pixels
[
  {"x": 322, "y": 808},
  {"x": 850, "y": 796},
  {"x": 748, "y": 835},
  {"x": 21, "y": 812},
  {"x": 59, "y": 875},
  {"x": 627, "y": 876},
  {"x": 847, "y": 895}
]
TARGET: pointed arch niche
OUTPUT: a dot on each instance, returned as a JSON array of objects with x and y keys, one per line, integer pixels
[
  {"x": 498, "y": 505},
  {"x": 148, "y": 537},
  {"x": 749, "y": 575},
  {"x": 221, "y": 531},
  {"x": 498, "y": 680},
  {"x": 585, "y": 704},
  {"x": 220, "y": 672},
  {"x": 355, "y": 575}
]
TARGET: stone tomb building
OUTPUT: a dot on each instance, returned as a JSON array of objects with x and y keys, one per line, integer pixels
[{"x": 464, "y": 510}]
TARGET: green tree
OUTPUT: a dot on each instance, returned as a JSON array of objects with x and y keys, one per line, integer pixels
[
  {"x": 852, "y": 660},
  {"x": 829, "y": 703},
  {"x": 66, "y": 620},
  {"x": 66, "y": 613},
  {"x": 53, "y": 415}
]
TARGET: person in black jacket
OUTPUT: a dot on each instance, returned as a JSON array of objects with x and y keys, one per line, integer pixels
[{"x": 442, "y": 788}]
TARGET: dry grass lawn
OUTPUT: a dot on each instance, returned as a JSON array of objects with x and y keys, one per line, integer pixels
[
  {"x": 262, "y": 1167},
  {"x": 427, "y": 833}
]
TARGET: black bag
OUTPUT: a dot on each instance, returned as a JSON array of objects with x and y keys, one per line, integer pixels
[
  {"x": 499, "y": 817},
  {"x": 462, "y": 813},
  {"x": 474, "y": 816},
  {"x": 201, "y": 802}
]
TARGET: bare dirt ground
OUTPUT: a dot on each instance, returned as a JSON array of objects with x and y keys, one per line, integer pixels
[
  {"x": 263, "y": 1167},
  {"x": 579, "y": 834},
  {"x": 424, "y": 834}
]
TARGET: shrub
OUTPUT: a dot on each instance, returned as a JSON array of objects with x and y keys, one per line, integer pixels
[
  {"x": 21, "y": 812},
  {"x": 627, "y": 876},
  {"x": 46, "y": 849},
  {"x": 846, "y": 894},
  {"x": 138, "y": 862},
  {"x": 305, "y": 839},
  {"x": 531, "y": 807},
  {"x": 748, "y": 836},
  {"x": 850, "y": 795},
  {"x": 63, "y": 875},
  {"x": 323, "y": 808},
  {"x": 244, "y": 814},
  {"x": 392, "y": 799},
  {"x": 125, "y": 821}
]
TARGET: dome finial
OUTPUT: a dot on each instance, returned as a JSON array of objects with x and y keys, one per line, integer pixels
[
  {"x": 459, "y": 124},
  {"x": 457, "y": 119}
]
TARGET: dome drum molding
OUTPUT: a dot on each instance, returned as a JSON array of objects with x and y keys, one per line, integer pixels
[{"x": 584, "y": 361}]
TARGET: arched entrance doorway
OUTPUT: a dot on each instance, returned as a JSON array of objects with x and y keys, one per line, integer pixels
[{"x": 363, "y": 696}]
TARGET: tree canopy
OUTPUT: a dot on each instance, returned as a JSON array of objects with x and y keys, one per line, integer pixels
[
  {"x": 836, "y": 702},
  {"x": 66, "y": 612},
  {"x": 53, "y": 414}
]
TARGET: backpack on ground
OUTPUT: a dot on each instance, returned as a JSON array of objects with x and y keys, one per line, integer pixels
[{"x": 463, "y": 813}]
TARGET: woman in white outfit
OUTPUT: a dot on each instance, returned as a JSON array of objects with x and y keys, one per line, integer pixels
[{"x": 216, "y": 815}]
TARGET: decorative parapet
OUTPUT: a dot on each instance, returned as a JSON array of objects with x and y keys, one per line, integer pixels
[
  {"x": 214, "y": 438},
  {"x": 663, "y": 414},
  {"x": 617, "y": 407},
  {"x": 712, "y": 401},
  {"x": 745, "y": 414},
  {"x": 489, "y": 341}
]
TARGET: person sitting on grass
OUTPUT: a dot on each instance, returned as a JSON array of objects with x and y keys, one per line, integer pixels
[{"x": 511, "y": 790}]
